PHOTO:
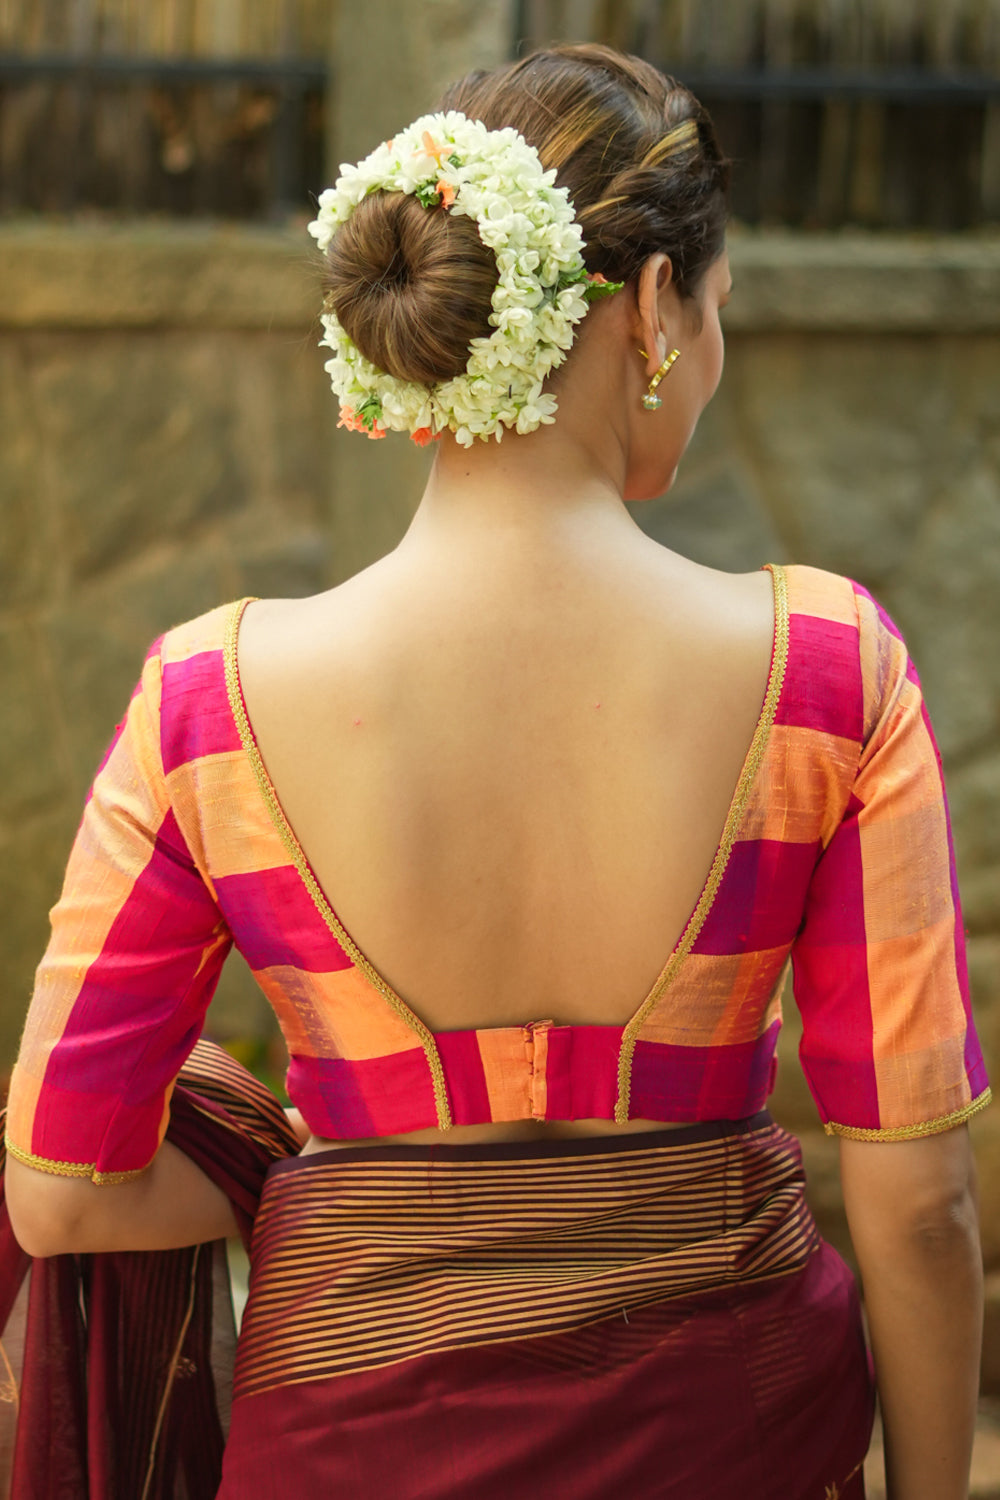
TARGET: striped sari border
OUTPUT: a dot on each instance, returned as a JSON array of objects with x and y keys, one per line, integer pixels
[{"x": 366, "y": 1262}]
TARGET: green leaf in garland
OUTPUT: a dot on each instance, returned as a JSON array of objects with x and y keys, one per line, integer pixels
[
  {"x": 428, "y": 195},
  {"x": 370, "y": 411},
  {"x": 599, "y": 286}
]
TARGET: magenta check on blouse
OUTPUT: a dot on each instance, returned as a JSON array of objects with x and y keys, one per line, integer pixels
[{"x": 836, "y": 854}]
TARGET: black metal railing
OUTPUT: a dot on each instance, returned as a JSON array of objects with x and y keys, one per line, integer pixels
[
  {"x": 909, "y": 86},
  {"x": 244, "y": 137},
  {"x": 237, "y": 137},
  {"x": 894, "y": 148}
]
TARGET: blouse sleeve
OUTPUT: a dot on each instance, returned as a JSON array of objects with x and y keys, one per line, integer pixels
[
  {"x": 889, "y": 1048},
  {"x": 136, "y": 947}
]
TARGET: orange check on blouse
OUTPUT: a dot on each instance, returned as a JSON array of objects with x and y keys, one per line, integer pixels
[{"x": 836, "y": 853}]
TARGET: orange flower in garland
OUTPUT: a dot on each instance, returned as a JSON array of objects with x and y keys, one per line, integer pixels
[
  {"x": 433, "y": 149},
  {"x": 349, "y": 420},
  {"x": 355, "y": 422}
]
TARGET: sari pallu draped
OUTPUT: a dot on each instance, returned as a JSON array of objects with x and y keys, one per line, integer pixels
[
  {"x": 116, "y": 1369},
  {"x": 653, "y": 1316}
]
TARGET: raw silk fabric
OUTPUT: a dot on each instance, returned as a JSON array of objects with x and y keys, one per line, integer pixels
[{"x": 836, "y": 854}]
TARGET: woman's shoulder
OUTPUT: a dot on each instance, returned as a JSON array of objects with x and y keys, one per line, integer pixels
[
  {"x": 205, "y": 633},
  {"x": 838, "y": 598},
  {"x": 845, "y": 644},
  {"x": 841, "y": 600},
  {"x": 823, "y": 595},
  {"x": 807, "y": 590},
  {"x": 189, "y": 687}
]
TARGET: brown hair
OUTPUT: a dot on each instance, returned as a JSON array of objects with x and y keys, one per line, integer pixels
[{"x": 635, "y": 149}]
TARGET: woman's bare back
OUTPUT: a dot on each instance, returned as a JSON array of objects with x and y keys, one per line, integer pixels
[{"x": 511, "y": 787}]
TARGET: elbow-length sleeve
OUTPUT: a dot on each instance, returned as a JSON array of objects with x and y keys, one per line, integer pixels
[
  {"x": 889, "y": 1048},
  {"x": 136, "y": 947}
]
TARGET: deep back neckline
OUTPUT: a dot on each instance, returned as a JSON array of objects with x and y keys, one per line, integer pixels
[{"x": 689, "y": 933}]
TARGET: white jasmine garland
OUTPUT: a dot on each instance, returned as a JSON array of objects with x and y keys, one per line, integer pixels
[{"x": 543, "y": 289}]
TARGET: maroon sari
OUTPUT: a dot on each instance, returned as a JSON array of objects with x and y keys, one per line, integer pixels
[{"x": 652, "y": 1316}]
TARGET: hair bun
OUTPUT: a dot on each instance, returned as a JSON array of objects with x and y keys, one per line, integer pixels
[{"x": 411, "y": 286}]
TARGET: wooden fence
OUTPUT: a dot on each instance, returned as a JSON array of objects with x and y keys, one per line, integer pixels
[
  {"x": 875, "y": 112},
  {"x": 173, "y": 106}
]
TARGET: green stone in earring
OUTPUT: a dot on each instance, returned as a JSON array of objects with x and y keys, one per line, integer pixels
[{"x": 651, "y": 400}]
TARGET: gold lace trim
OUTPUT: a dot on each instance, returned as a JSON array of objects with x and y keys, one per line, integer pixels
[
  {"x": 70, "y": 1168},
  {"x": 751, "y": 765},
  {"x": 287, "y": 835},
  {"x": 912, "y": 1132},
  {"x": 833, "y": 1491}
]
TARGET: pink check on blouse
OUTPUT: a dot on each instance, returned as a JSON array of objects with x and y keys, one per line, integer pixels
[{"x": 836, "y": 853}]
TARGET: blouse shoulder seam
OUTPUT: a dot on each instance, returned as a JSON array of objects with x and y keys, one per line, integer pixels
[{"x": 912, "y": 1132}]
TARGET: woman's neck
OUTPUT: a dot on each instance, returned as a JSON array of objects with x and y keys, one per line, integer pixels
[
  {"x": 557, "y": 492},
  {"x": 531, "y": 492}
]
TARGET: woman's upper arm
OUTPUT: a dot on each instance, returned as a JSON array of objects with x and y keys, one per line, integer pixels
[
  {"x": 46, "y": 1211},
  {"x": 889, "y": 1047},
  {"x": 136, "y": 946},
  {"x": 916, "y": 1188}
]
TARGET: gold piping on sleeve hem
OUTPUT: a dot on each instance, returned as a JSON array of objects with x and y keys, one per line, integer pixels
[
  {"x": 912, "y": 1132},
  {"x": 84, "y": 1170}
]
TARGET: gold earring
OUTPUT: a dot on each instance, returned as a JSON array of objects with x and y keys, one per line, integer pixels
[{"x": 651, "y": 401}]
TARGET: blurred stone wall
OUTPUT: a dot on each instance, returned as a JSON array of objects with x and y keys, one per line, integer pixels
[
  {"x": 167, "y": 442},
  {"x": 164, "y": 446}
]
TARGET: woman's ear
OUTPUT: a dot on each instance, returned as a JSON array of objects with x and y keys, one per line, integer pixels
[{"x": 655, "y": 276}]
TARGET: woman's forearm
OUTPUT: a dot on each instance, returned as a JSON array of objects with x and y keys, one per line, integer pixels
[
  {"x": 924, "y": 1299},
  {"x": 170, "y": 1205}
]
